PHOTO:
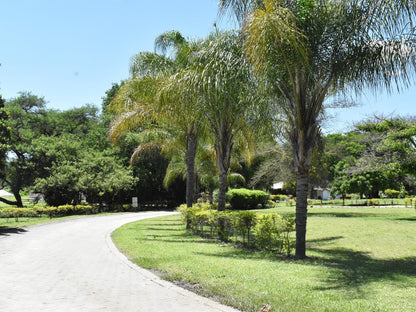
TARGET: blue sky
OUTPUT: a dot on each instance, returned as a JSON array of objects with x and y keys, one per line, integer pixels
[{"x": 70, "y": 52}]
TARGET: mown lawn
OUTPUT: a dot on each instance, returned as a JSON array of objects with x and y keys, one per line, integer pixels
[{"x": 360, "y": 259}]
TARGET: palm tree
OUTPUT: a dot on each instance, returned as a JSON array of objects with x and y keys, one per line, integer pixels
[
  {"x": 156, "y": 92},
  {"x": 179, "y": 107},
  {"x": 310, "y": 50},
  {"x": 226, "y": 92}
]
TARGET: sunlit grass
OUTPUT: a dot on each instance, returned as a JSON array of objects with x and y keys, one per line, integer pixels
[{"x": 360, "y": 259}]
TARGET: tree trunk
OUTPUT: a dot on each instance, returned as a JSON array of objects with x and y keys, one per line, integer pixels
[
  {"x": 18, "y": 199},
  {"x": 301, "y": 213},
  {"x": 211, "y": 196},
  {"x": 222, "y": 190},
  {"x": 191, "y": 146},
  {"x": 223, "y": 148}
]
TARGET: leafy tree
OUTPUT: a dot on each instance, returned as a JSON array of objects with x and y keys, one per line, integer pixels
[
  {"x": 97, "y": 175},
  {"x": 376, "y": 155},
  {"x": 47, "y": 142},
  {"x": 394, "y": 145},
  {"x": 309, "y": 50},
  {"x": 4, "y": 138},
  {"x": 27, "y": 120},
  {"x": 370, "y": 183}
]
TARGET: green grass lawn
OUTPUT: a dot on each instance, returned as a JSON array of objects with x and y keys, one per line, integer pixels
[{"x": 360, "y": 259}]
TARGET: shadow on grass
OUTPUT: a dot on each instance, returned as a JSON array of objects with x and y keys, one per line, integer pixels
[
  {"x": 406, "y": 219},
  {"x": 164, "y": 223},
  {"x": 179, "y": 238},
  {"x": 346, "y": 269},
  {"x": 6, "y": 231},
  {"x": 162, "y": 229},
  {"x": 334, "y": 214},
  {"x": 355, "y": 269},
  {"x": 324, "y": 240}
]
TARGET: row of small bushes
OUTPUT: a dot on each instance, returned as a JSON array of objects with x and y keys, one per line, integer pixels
[
  {"x": 408, "y": 202},
  {"x": 40, "y": 211},
  {"x": 271, "y": 232}
]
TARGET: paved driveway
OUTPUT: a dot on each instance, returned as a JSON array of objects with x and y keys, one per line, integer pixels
[{"x": 73, "y": 265}]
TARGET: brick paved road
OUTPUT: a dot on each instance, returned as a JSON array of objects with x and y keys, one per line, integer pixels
[{"x": 74, "y": 266}]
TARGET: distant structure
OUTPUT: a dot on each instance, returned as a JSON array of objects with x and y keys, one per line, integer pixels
[{"x": 321, "y": 193}]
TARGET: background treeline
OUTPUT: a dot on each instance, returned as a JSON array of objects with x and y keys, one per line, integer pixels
[{"x": 66, "y": 156}]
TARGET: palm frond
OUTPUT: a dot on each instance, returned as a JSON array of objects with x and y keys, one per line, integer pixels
[
  {"x": 235, "y": 178},
  {"x": 123, "y": 123},
  {"x": 150, "y": 64},
  {"x": 143, "y": 150},
  {"x": 175, "y": 170},
  {"x": 172, "y": 39}
]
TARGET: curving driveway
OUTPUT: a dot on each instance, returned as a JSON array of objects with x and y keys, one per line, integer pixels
[{"x": 73, "y": 265}]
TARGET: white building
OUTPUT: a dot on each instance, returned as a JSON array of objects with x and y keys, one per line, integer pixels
[{"x": 321, "y": 193}]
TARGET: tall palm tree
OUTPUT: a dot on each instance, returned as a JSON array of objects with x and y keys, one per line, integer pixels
[
  {"x": 309, "y": 50},
  {"x": 178, "y": 104},
  {"x": 227, "y": 94},
  {"x": 156, "y": 92}
]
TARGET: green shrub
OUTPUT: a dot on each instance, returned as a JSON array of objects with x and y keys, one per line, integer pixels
[
  {"x": 197, "y": 216},
  {"x": 224, "y": 225},
  {"x": 373, "y": 202},
  {"x": 279, "y": 197},
  {"x": 291, "y": 202},
  {"x": 17, "y": 213},
  {"x": 273, "y": 233},
  {"x": 243, "y": 199},
  {"x": 408, "y": 202},
  {"x": 267, "y": 231},
  {"x": 288, "y": 226},
  {"x": 272, "y": 204},
  {"x": 391, "y": 193},
  {"x": 244, "y": 221},
  {"x": 38, "y": 211}
]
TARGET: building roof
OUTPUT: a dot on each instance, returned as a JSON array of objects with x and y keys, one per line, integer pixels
[{"x": 277, "y": 186}]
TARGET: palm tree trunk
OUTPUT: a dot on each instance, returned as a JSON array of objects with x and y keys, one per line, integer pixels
[
  {"x": 222, "y": 189},
  {"x": 191, "y": 147},
  {"x": 301, "y": 213},
  {"x": 223, "y": 148}
]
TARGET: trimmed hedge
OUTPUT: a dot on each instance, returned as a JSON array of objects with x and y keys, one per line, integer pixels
[
  {"x": 243, "y": 199},
  {"x": 38, "y": 211}
]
